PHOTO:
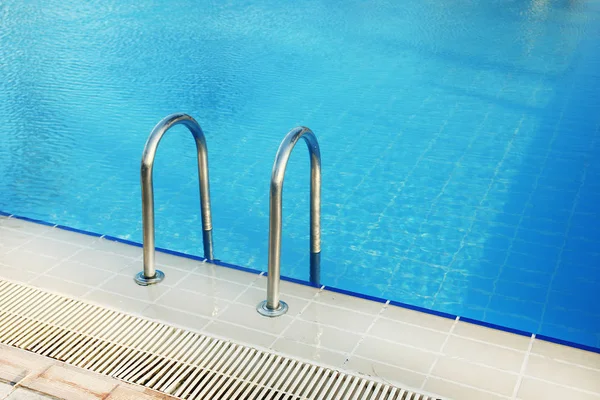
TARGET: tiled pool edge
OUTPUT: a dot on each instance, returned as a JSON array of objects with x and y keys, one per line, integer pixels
[{"x": 329, "y": 288}]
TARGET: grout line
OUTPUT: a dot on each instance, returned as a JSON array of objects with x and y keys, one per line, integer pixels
[
  {"x": 211, "y": 319},
  {"x": 296, "y": 318},
  {"x": 364, "y": 335},
  {"x": 474, "y": 388},
  {"x": 248, "y": 286},
  {"x": 61, "y": 261},
  {"x": 434, "y": 363},
  {"x": 568, "y": 363},
  {"x": 553, "y": 382},
  {"x": 500, "y": 346},
  {"x": 32, "y": 236},
  {"x": 523, "y": 368}
]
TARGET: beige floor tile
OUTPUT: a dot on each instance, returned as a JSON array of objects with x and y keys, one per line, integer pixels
[
  {"x": 70, "y": 383},
  {"x": 11, "y": 373},
  {"x": 349, "y": 302},
  {"x": 343, "y": 319},
  {"x": 562, "y": 373},
  {"x": 240, "y": 334},
  {"x": 79, "y": 273},
  {"x": 253, "y": 296},
  {"x": 183, "y": 263},
  {"x": 417, "y": 318},
  {"x": 121, "y": 249},
  {"x": 478, "y": 376},
  {"x": 5, "y": 389},
  {"x": 20, "y": 225},
  {"x": 4, "y": 249},
  {"x": 322, "y": 336},
  {"x": 533, "y": 389},
  {"x": 493, "y": 336},
  {"x": 25, "y": 394},
  {"x": 8, "y": 223},
  {"x": 565, "y": 353},
  {"x": 70, "y": 237},
  {"x": 24, "y": 360},
  {"x": 102, "y": 260},
  {"x": 293, "y": 289},
  {"x": 402, "y": 377},
  {"x": 458, "y": 392},
  {"x": 194, "y": 303},
  {"x": 116, "y": 301},
  {"x": 12, "y": 238},
  {"x": 311, "y": 353},
  {"x": 126, "y": 286},
  {"x": 174, "y": 317},
  {"x": 28, "y": 261},
  {"x": 131, "y": 392},
  {"x": 16, "y": 274},
  {"x": 52, "y": 248},
  {"x": 398, "y": 355},
  {"x": 225, "y": 273},
  {"x": 485, "y": 353},
  {"x": 60, "y": 286},
  {"x": 211, "y": 286},
  {"x": 248, "y": 316},
  {"x": 408, "y": 334}
]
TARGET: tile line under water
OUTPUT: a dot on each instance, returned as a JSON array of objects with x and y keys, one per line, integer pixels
[
  {"x": 527, "y": 203},
  {"x": 567, "y": 230},
  {"x": 408, "y": 175},
  {"x": 468, "y": 230}
]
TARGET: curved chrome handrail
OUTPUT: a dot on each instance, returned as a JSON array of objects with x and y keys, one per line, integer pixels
[
  {"x": 151, "y": 275},
  {"x": 273, "y": 307}
]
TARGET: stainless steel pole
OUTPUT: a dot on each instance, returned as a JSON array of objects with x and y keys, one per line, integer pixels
[
  {"x": 273, "y": 306},
  {"x": 150, "y": 274}
]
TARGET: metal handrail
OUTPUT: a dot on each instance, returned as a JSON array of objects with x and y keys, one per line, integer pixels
[
  {"x": 150, "y": 275},
  {"x": 273, "y": 306}
]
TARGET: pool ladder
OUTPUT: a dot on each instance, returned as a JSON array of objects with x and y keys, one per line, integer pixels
[{"x": 272, "y": 306}]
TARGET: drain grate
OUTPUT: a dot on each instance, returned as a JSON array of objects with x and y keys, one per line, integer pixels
[{"x": 181, "y": 363}]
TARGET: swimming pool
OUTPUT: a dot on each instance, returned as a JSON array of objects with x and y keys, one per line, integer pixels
[{"x": 459, "y": 140}]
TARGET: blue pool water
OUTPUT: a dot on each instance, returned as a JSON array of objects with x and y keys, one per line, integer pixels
[{"x": 461, "y": 167}]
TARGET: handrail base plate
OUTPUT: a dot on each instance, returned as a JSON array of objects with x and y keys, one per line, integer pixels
[
  {"x": 267, "y": 312},
  {"x": 141, "y": 280}
]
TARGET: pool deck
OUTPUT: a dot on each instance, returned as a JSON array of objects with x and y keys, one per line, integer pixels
[{"x": 451, "y": 358}]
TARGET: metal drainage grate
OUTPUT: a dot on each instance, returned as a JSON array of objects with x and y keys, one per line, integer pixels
[{"x": 168, "y": 359}]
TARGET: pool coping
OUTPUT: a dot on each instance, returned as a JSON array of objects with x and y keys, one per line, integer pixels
[{"x": 306, "y": 283}]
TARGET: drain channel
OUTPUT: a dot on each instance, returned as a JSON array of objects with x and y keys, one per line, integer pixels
[{"x": 171, "y": 360}]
